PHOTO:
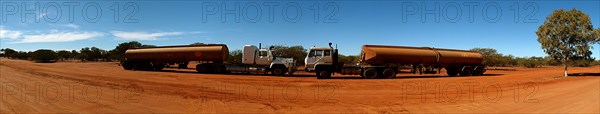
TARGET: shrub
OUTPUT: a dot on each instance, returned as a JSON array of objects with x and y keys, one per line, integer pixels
[{"x": 44, "y": 55}]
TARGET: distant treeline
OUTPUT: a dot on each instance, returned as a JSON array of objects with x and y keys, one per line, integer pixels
[
  {"x": 116, "y": 54},
  {"x": 84, "y": 54},
  {"x": 491, "y": 57}
]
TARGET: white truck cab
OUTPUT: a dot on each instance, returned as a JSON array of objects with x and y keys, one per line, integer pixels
[
  {"x": 252, "y": 55},
  {"x": 318, "y": 56}
]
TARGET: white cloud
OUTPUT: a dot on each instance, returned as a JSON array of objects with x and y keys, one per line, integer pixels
[
  {"x": 72, "y": 26},
  {"x": 143, "y": 35},
  {"x": 59, "y": 37},
  {"x": 10, "y": 34}
]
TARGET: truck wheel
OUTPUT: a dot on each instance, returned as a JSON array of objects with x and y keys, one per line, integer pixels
[
  {"x": 278, "y": 71},
  {"x": 218, "y": 69},
  {"x": 370, "y": 73},
  {"x": 127, "y": 65},
  {"x": 478, "y": 72},
  {"x": 451, "y": 71},
  {"x": 201, "y": 68},
  {"x": 466, "y": 72},
  {"x": 159, "y": 67},
  {"x": 388, "y": 73},
  {"x": 322, "y": 74},
  {"x": 146, "y": 66}
]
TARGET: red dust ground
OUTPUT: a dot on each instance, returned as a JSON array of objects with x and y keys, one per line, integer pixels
[{"x": 100, "y": 87}]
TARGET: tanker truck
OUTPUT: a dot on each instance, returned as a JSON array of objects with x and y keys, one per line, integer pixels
[
  {"x": 211, "y": 58},
  {"x": 380, "y": 61}
]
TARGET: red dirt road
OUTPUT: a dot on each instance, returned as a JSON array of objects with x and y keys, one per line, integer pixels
[{"x": 68, "y": 87}]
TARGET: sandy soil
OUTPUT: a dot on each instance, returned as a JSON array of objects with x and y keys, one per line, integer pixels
[{"x": 69, "y": 87}]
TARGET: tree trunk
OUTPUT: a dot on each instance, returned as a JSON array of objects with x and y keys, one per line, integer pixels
[
  {"x": 566, "y": 63},
  {"x": 566, "y": 74}
]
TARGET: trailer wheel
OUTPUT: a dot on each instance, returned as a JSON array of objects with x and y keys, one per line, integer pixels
[
  {"x": 467, "y": 71},
  {"x": 158, "y": 67},
  {"x": 218, "y": 69},
  {"x": 127, "y": 65},
  {"x": 478, "y": 71},
  {"x": 451, "y": 71},
  {"x": 321, "y": 74},
  {"x": 388, "y": 73},
  {"x": 146, "y": 66},
  {"x": 201, "y": 68},
  {"x": 370, "y": 73},
  {"x": 279, "y": 71}
]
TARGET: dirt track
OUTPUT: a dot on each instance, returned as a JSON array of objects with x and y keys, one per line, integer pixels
[{"x": 68, "y": 87}]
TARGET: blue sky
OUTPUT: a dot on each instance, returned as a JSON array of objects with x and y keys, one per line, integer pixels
[{"x": 508, "y": 26}]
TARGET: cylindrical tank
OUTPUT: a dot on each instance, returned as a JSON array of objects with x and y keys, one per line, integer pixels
[
  {"x": 211, "y": 52},
  {"x": 378, "y": 54},
  {"x": 450, "y": 56}
]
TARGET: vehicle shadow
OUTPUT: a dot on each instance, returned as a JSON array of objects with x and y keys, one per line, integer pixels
[
  {"x": 584, "y": 74},
  {"x": 240, "y": 74},
  {"x": 413, "y": 77},
  {"x": 306, "y": 75}
]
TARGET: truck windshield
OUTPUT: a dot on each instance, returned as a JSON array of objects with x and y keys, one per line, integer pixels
[
  {"x": 319, "y": 53},
  {"x": 312, "y": 53},
  {"x": 327, "y": 53},
  {"x": 262, "y": 53}
]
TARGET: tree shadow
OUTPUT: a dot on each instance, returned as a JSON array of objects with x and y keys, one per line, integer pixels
[{"x": 585, "y": 74}]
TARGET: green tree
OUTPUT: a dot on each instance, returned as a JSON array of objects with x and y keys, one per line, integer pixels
[
  {"x": 44, "y": 56},
  {"x": 491, "y": 57},
  {"x": 296, "y": 52},
  {"x": 63, "y": 54},
  {"x": 235, "y": 57},
  {"x": 197, "y": 43},
  {"x": 85, "y": 54},
  {"x": 566, "y": 34},
  {"x": 348, "y": 60},
  {"x": 120, "y": 49},
  {"x": 20, "y": 55},
  {"x": 8, "y": 52}
]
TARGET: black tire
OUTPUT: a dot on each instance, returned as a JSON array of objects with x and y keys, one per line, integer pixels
[
  {"x": 478, "y": 72},
  {"x": 451, "y": 71},
  {"x": 127, "y": 65},
  {"x": 202, "y": 68},
  {"x": 323, "y": 74},
  {"x": 218, "y": 69},
  {"x": 466, "y": 72},
  {"x": 388, "y": 73},
  {"x": 159, "y": 67},
  {"x": 278, "y": 71},
  {"x": 370, "y": 73},
  {"x": 145, "y": 66}
]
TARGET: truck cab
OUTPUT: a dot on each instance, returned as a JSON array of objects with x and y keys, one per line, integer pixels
[
  {"x": 253, "y": 55},
  {"x": 318, "y": 56}
]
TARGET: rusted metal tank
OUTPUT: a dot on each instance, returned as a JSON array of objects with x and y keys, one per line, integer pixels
[
  {"x": 211, "y": 52},
  {"x": 379, "y": 54},
  {"x": 451, "y": 56}
]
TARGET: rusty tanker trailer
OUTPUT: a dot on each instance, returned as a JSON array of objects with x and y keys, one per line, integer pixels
[
  {"x": 211, "y": 59},
  {"x": 378, "y": 61}
]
